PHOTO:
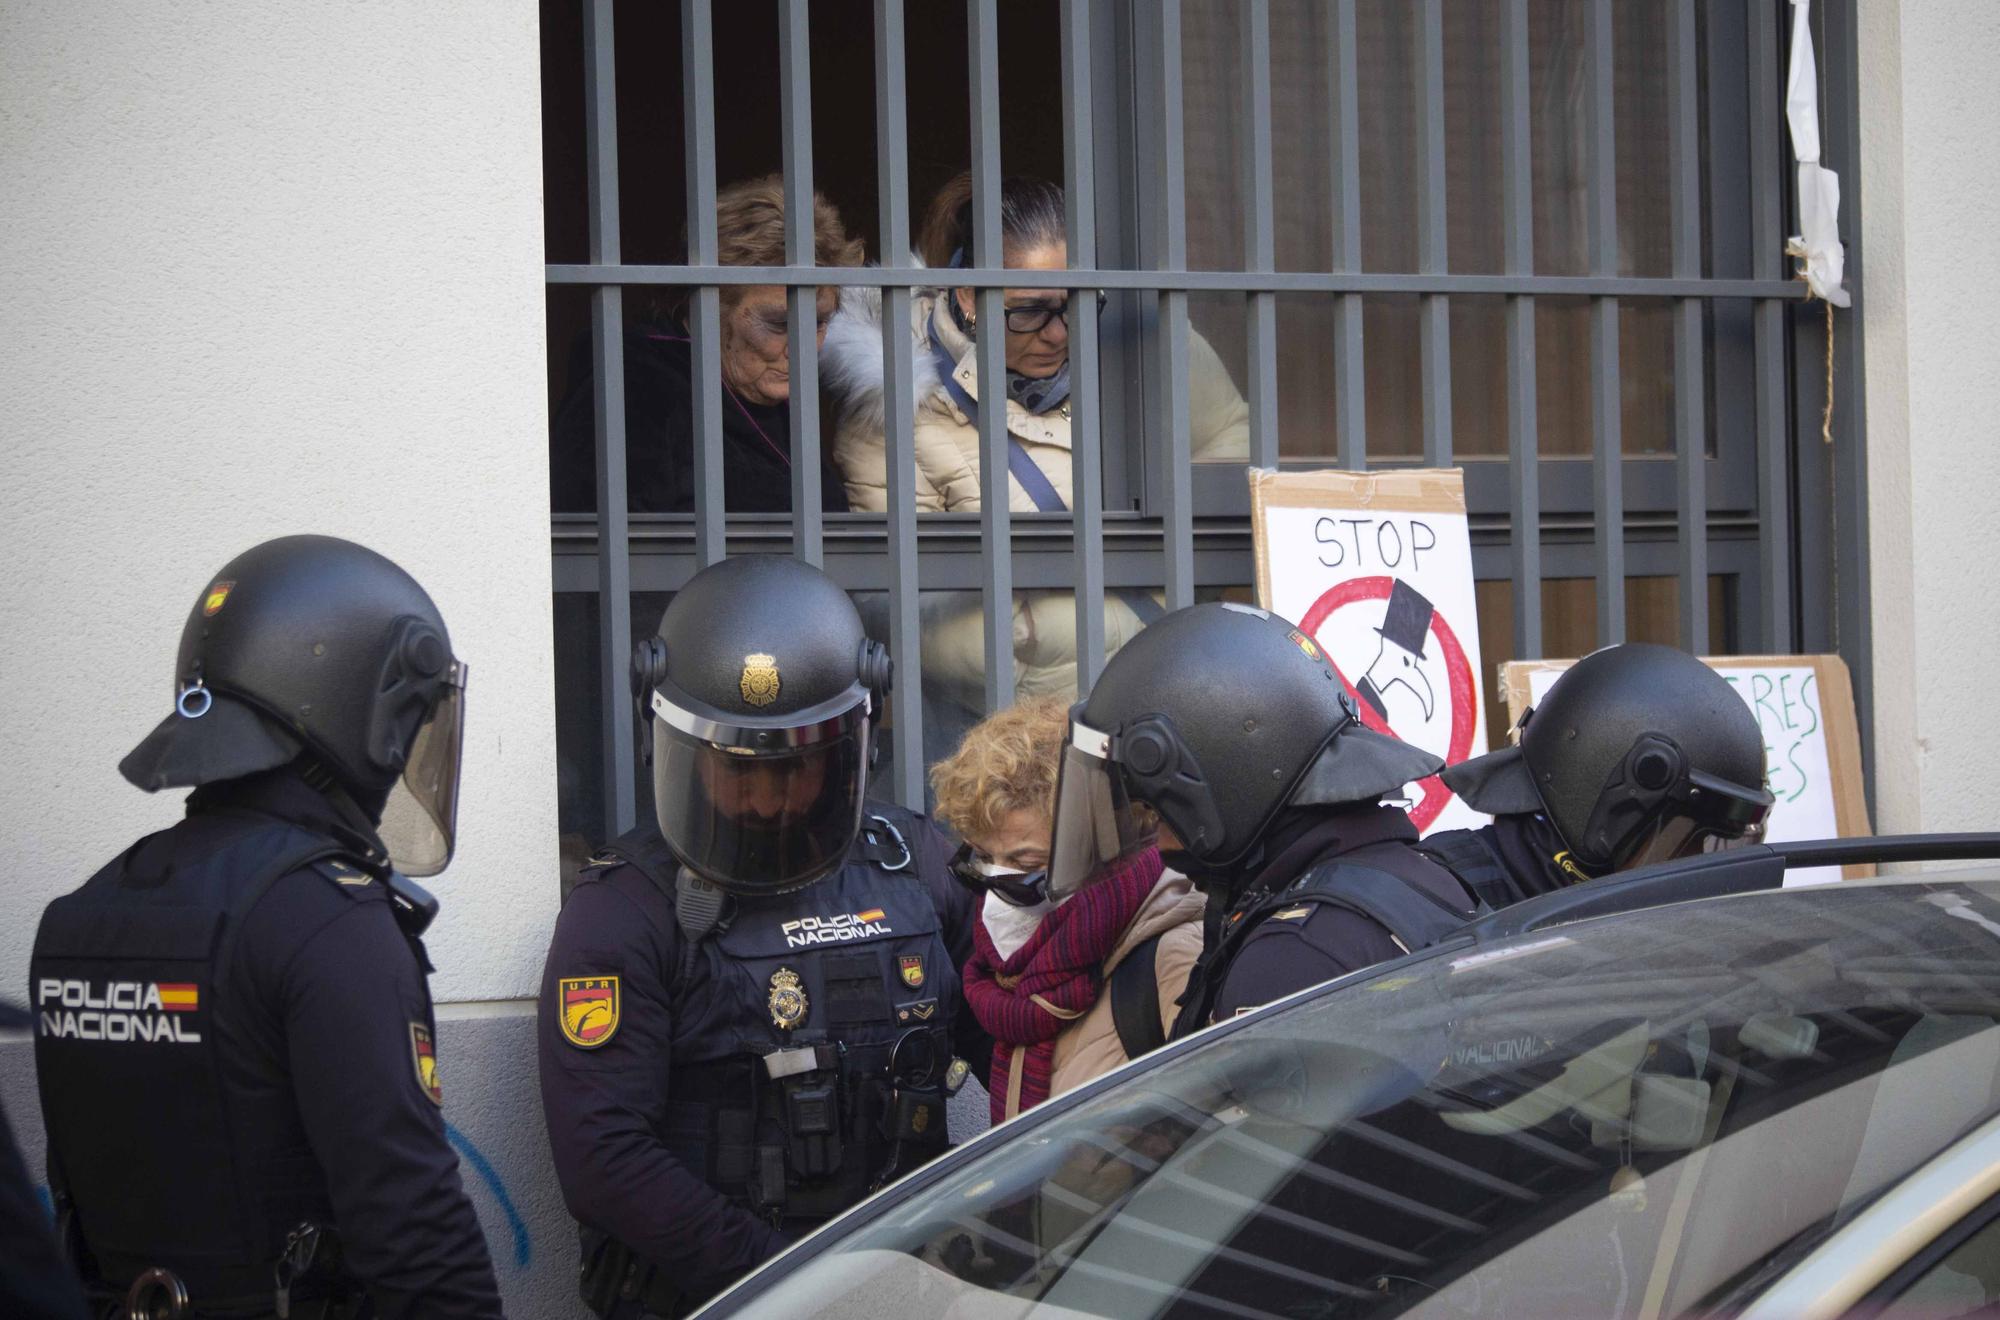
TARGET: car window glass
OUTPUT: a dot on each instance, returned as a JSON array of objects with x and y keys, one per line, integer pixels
[{"x": 1634, "y": 1115}]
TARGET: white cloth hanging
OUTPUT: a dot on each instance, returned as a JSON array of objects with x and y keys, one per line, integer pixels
[{"x": 1817, "y": 244}]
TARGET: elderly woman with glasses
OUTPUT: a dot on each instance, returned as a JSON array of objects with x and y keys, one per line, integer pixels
[
  {"x": 1046, "y": 978},
  {"x": 753, "y": 350},
  {"x": 1036, "y": 398}
]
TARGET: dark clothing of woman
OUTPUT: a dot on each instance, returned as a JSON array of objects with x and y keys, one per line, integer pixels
[{"x": 659, "y": 438}]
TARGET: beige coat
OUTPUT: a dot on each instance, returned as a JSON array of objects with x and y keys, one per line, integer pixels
[
  {"x": 947, "y": 481},
  {"x": 1089, "y": 1047},
  {"x": 948, "y": 440}
]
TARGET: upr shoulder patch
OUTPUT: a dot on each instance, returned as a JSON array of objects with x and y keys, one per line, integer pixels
[
  {"x": 423, "y": 1052},
  {"x": 1298, "y": 913},
  {"x": 587, "y": 1009}
]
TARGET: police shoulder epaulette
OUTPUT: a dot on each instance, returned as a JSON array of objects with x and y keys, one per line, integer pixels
[{"x": 344, "y": 873}]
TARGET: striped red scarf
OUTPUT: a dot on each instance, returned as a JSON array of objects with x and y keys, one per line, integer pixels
[{"x": 1025, "y": 1001}]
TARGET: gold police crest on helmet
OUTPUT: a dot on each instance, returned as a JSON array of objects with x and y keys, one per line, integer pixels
[
  {"x": 760, "y": 679},
  {"x": 788, "y": 1003}
]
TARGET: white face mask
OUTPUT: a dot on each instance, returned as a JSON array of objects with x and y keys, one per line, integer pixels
[{"x": 1010, "y": 927}]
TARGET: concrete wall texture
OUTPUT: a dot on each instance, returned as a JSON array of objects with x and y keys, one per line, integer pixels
[
  {"x": 278, "y": 268},
  {"x": 1930, "y": 179}
]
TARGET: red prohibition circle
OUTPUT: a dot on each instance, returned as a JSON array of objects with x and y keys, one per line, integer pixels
[{"x": 1458, "y": 672}]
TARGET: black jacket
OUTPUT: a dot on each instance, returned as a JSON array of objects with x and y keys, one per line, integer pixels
[
  {"x": 659, "y": 438},
  {"x": 1290, "y": 948},
  {"x": 616, "y": 1112},
  {"x": 318, "y": 1035}
]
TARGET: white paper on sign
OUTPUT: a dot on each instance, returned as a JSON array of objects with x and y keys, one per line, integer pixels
[
  {"x": 1388, "y": 596},
  {"x": 1786, "y": 701},
  {"x": 1817, "y": 244}
]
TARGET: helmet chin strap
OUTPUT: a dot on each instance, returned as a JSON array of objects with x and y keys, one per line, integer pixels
[{"x": 320, "y": 777}]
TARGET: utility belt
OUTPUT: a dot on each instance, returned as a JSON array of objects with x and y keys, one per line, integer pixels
[
  {"x": 306, "y": 1282},
  {"x": 795, "y": 1138},
  {"x": 804, "y": 1133}
]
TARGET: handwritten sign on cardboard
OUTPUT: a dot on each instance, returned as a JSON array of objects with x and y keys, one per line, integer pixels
[
  {"x": 1812, "y": 743},
  {"x": 1377, "y": 568}
]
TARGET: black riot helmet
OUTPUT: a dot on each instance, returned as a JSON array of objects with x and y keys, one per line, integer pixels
[
  {"x": 760, "y": 689},
  {"x": 1215, "y": 717},
  {"x": 1639, "y": 753},
  {"x": 318, "y": 647}
]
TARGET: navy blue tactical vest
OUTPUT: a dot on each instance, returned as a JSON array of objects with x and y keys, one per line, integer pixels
[
  {"x": 812, "y": 1031},
  {"x": 129, "y": 978}
]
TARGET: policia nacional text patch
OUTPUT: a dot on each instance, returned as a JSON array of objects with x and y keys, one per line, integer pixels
[{"x": 587, "y": 1009}]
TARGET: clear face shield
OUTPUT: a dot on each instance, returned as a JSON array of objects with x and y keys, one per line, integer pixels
[
  {"x": 420, "y": 821},
  {"x": 760, "y": 810},
  {"x": 1096, "y": 820}
]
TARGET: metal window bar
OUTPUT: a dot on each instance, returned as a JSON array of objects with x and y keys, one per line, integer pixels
[
  {"x": 1608, "y": 458},
  {"x": 898, "y": 420},
  {"x": 802, "y": 315},
  {"x": 1434, "y": 314},
  {"x": 1349, "y": 362},
  {"x": 989, "y": 347},
  {"x": 1690, "y": 392},
  {"x": 705, "y": 304},
  {"x": 1518, "y": 249},
  {"x": 1086, "y": 450},
  {"x": 1161, "y": 279},
  {"x": 1259, "y": 238},
  {"x": 1774, "y": 477},
  {"x": 607, "y": 351},
  {"x": 1769, "y": 592},
  {"x": 1176, "y": 484}
]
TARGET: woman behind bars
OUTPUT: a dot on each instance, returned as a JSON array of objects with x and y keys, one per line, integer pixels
[
  {"x": 948, "y": 397},
  {"x": 756, "y": 378}
]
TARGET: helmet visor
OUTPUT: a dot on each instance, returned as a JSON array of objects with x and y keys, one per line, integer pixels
[
  {"x": 420, "y": 821},
  {"x": 1707, "y": 815},
  {"x": 1096, "y": 821},
  {"x": 758, "y": 822}
]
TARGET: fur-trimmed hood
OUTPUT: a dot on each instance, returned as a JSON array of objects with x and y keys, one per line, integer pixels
[{"x": 850, "y": 361}]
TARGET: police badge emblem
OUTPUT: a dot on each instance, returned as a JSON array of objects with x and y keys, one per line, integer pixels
[
  {"x": 588, "y": 1009},
  {"x": 912, "y": 967},
  {"x": 788, "y": 1003},
  {"x": 759, "y": 683},
  {"x": 423, "y": 1052}
]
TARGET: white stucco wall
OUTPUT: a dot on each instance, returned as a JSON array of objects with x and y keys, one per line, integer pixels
[
  {"x": 272, "y": 268},
  {"x": 1930, "y": 173}
]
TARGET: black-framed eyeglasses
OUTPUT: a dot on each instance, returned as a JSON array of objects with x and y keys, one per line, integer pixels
[
  {"x": 1020, "y": 888},
  {"x": 1029, "y": 320}
]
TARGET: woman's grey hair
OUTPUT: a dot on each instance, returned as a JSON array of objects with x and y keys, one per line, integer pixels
[{"x": 1031, "y": 215}]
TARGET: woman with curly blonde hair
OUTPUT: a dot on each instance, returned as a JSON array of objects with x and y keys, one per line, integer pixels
[{"x": 1039, "y": 970}]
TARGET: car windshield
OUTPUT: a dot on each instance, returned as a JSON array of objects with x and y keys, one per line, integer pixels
[{"x": 1644, "y": 1114}]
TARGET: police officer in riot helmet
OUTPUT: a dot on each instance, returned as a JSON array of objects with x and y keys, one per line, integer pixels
[
  {"x": 1638, "y": 754},
  {"x": 751, "y": 1011},
  {"x": 1229, "y": 727},
  {"x": 233, "y": 1032}
]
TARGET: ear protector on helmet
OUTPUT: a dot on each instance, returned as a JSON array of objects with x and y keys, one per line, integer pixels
[
  {"x": 413, "y": 672},
  {"x": 1161, "y": 770}
]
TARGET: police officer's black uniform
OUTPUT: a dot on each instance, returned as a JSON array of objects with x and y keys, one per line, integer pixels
[
  {"x": 233, "y": 1035},
  {"x": 1639, "y": 754},
  {"x": 751, "y": 1011},
  {"x": 1233, "y": 728}
]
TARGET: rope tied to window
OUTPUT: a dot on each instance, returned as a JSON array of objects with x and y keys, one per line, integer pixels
[{"x": 1796, "y": 249}]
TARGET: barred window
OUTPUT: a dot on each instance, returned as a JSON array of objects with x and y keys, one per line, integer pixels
[{"x": 1539, "y": 239}]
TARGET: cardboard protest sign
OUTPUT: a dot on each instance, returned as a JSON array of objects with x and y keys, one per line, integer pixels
[
  {"x": 1812, "y": 742},
  {"x": 1377, "y": 568}
]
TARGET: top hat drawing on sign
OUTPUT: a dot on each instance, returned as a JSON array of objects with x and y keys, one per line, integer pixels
[{"x": 1398, "y": 663}]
